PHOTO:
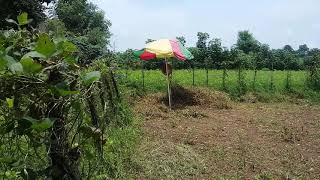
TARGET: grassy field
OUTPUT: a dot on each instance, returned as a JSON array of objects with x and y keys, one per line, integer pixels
[{"x": 155, "y": 81}]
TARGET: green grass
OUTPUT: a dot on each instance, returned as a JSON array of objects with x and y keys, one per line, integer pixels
[{"x": 155, "y": 81}]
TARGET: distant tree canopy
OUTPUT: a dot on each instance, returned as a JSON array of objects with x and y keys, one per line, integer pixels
[
  {"x": 149, "y": 40},
  {"x": 202, "y": 45},
  {"x": 80, "y": 16},
  {"x": 247, "y": 43},
  {"x": 10, "y": 9},
  {"x": 182, "y": 39},
  {"x": 79, "y": 20},
  {"x": 89, "y": 28},
  {"x": 215, "y": 52},
  {"x": 247, "y": 52}
]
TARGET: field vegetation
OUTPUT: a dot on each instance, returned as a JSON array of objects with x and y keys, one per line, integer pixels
[
  {"x": 71, "y": 108},
  {"x": 268, "y": 85}
]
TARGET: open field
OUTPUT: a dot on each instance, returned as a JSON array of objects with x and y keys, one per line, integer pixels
[
  {"x": 228, "y": 140},
  {"x": 155, "y": 80},
  {"x": 89, "y": 93}
]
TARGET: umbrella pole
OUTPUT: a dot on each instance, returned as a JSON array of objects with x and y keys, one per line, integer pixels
[{"x": 168, "y": 81}]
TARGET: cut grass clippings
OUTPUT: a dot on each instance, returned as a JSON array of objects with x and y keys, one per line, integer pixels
[{"x": 248, "y": 141}]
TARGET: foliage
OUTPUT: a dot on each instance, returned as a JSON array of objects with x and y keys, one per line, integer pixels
[
  {"x": 55, "y": 115},
  {"x": 36, "y": 76},
  {"x": 215, "y": 52},
  {"x": 88, "y": 27},
  {"x": 242, "y": 61},
  {"x": 182, "y": 39},
  {"x": 313, "y": 63},
  {"x": 11, "y": 9},
  {"x": 155, "y": 81},
  {"x": 202, "y": 45},
  {"x": 149, "y": 41},
  {"x": 247, "y": 43},
  {"x": 211, "y": 54}
]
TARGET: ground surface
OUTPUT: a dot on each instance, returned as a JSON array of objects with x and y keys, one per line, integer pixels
[{"x": 233, "y": 141}]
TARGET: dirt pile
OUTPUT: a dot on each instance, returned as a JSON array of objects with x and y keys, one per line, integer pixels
[
  {"x": 156, "y": 105},
  {"x": 182, "y": 97}
]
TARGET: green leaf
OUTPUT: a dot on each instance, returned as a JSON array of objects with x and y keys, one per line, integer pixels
[
  {"x": 7, "y": 160},
  {"x": 71, "y": 60},
  {"x": 23, "y": 127},
  {"x": 23, "y": 19},
  {"x": 16, "y": 67},
  {"x": 33, "y": 54},
  {"x": 7, "y": 127},
  {"x": 43, "y": 125},
  {"x": 29, "y": 66},
  {"x": 11, "y": 21},
  {"x": 16, "y": 53},
  {"x": 3, "y": 64},
  {"x": 62, "y": 89},
  {"x": 10, "y": 63},
  {"x": 89, "y": 154},
  {"x": 69, "y": 47},
  {"x": 40, "y": 125},
  {"x": 10, "y": 102},
  {"x": 32, "y": 120},
  {"x": 89, "y": 131},
  {"x": 45, "y": 46},
  {"x": 10, "y": 60},
  {"x": 91, "y": 77},
  {"x": 8, "y": 49}
]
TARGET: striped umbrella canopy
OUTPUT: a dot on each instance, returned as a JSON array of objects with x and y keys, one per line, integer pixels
[{"x": 164, "y": 48}]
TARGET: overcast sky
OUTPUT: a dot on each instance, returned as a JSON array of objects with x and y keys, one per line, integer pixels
[{"x": 275, "y": 22}]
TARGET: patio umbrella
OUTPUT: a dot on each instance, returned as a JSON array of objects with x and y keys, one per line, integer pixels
[{"x": 164, "y": 49}]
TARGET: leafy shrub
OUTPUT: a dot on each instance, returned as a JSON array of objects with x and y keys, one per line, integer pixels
[{"x": 54, "y": 114}]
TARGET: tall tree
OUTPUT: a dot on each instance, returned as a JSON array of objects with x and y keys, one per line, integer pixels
[
  {"x": 313, "y": 65},
  {"x": 149, "y": 40},
  {"x": 182, "y": 39},
  {"x": 226, "y": 61},
  {"x": 289, "y": 59},
  {"x": 247, "y": 43},
  {"x": 202, "y": 40},
  {"x": 259, "y": 60},
  {"x": 288, "y": 48},
  {"x": 303, "y": 50},
  {"x": 89, "y": 27},
  {"x": 80, "y": 16},
  {"x": 263, "y": 56},
  {"x": 202, "y": 43},
  {"x": 215, "y": 52},
  {"x": 196, "y": 53}
]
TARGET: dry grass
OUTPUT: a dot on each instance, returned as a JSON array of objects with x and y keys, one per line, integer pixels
[
  {"x": 210, "y": 140},
  {"x": 164, "y": 159}
]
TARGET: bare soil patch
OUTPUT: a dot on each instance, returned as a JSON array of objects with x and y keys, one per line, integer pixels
[{"x": 216, "y": 139}]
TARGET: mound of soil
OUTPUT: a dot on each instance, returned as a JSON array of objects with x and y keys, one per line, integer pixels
[
  {"x": 156, "y": 105},
  {"x": 182, "y": 97}
]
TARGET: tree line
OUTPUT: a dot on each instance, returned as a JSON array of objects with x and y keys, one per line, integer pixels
[
  {"x": 211, "y": 54},
  {"x": 246, "y": 53}
]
